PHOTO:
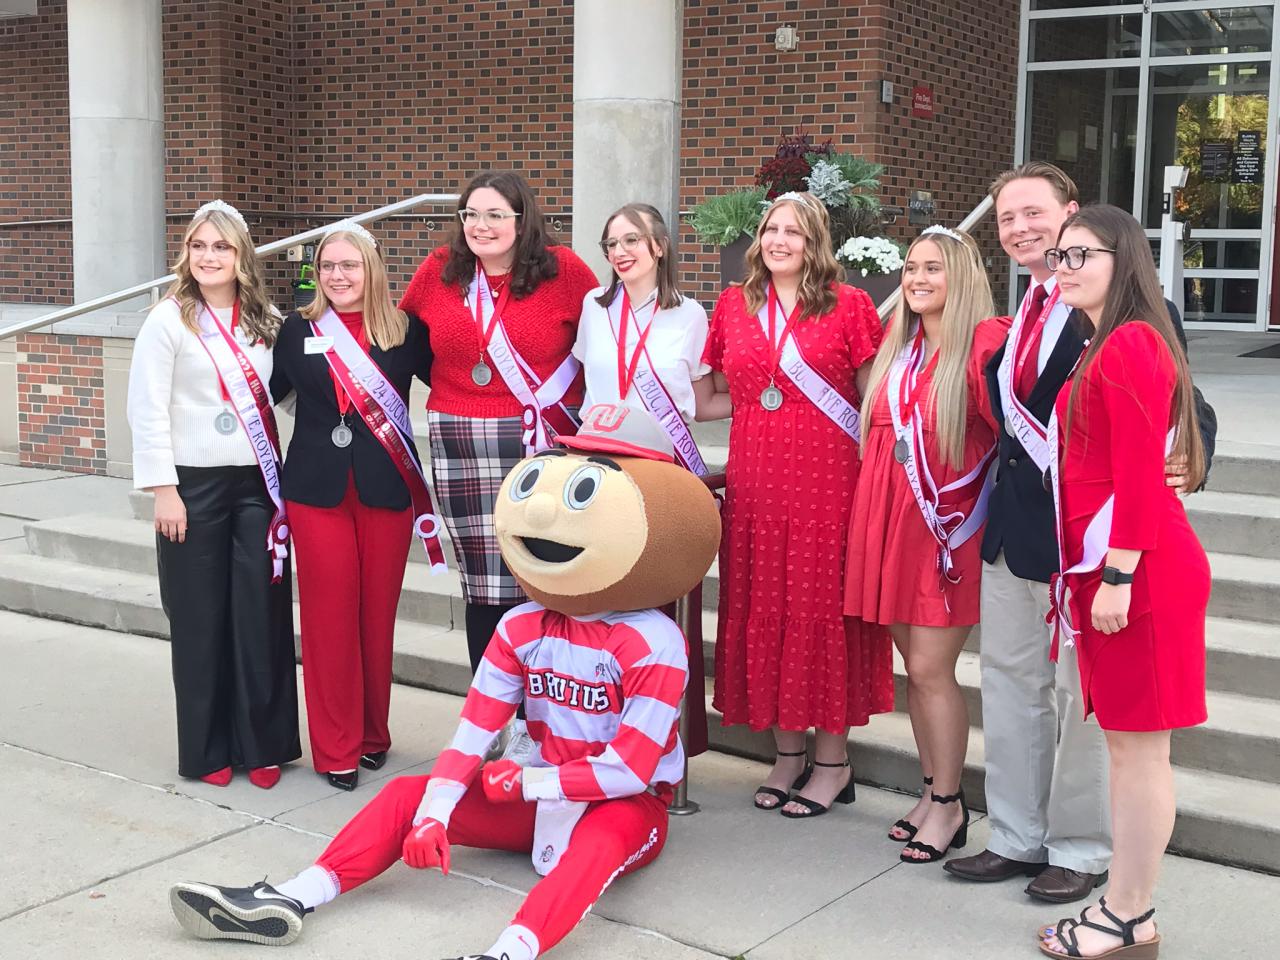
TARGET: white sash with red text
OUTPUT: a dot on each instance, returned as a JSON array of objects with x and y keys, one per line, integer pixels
[
  {"x": 251, "y": 402},
  {"x": 385, "y": 414},
  {"x": 542, "y": 406},
  {"x": 950, "y": 527},
  {"x": 1019, "y": 421},
  {"x": 817, "y": 388},
  {"x": 653, "y": 394}
]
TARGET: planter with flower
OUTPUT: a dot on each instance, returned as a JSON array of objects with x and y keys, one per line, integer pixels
[{"x": 846, "y": 184}]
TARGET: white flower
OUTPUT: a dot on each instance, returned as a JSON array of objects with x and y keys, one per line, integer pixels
[{"x": 870, "y": 255}]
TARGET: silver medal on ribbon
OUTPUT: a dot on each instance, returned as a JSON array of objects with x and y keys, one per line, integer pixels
[
  {"x": 225, "y": 423},
  {"x": 341, "y": 435},
  {"x": 481, "y": 374},
  {"x": 771, "y": 398},
  {"x": 900, "y": 450}
]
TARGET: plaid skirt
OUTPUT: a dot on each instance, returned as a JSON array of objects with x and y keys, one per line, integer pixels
[{"x": 470, "y": 457}]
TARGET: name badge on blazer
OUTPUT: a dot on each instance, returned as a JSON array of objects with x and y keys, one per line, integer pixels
[{"x": 317, "y": 344}]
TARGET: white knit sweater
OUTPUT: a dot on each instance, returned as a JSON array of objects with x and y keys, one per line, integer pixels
[{"x": 174, "y": 398}]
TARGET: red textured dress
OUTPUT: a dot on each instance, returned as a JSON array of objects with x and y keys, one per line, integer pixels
[
  {"x": 1151, "y": 674},
  {"x": 892, "y": 574},
  {"x": 785, "y": 653}
]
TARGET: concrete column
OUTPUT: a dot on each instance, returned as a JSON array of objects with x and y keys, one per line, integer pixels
[
  {"x": 116, "y": 87},
  {"x": 626, "y": 113}
]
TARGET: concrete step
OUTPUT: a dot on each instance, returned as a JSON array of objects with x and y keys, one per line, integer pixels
[
  {"x": 1245, "y": 588},
  {"x": 1240, "y": 523},
  {"x": 1224, "y": 818},
  {"x": 1245, "y": 468}
]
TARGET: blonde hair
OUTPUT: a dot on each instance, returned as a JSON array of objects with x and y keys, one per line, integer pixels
[
  {"x": 820, "y": 273},
  {"x": 383, "y": 323},
  {"x": 1064, "y": 188},
  {"x": 968, "y": 303},
  {"x": 257, "y": 317}
]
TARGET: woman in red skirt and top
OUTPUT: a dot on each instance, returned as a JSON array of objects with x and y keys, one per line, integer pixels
[
  {"x": 789, "y": 349},
  {"x": 1124, "y": 541},
  {"x": 928, "y": 461}
]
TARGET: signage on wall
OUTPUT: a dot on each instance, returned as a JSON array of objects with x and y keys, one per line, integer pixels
[
  {"x": 1215, "y": 161},
  {"x": 1247, "y": 162},
  {"x": 920, "y": 208},
  {"x": 922, "y": 102}
]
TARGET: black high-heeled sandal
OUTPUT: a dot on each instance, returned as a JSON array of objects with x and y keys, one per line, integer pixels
[
  {"x": 958, "y": 839},
  {"x": 906, "y": 825},
  {"x": 1065, "y": 934},
  {"x": 780, "y": 795},
  {"x": 847, "y": 794}
]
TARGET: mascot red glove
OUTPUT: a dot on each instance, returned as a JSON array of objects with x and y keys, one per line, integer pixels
[
  {"x": 503, "y": 781},
  {"x": 426, "y": 846}
]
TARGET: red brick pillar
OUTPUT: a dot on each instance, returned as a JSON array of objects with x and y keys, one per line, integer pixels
[{"x": 61, "y": 407}]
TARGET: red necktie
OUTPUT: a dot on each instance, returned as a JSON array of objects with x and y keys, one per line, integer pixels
[{"x": 1029, "y": 373}]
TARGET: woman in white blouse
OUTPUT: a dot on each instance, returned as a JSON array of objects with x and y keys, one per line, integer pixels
[
  {"x": 639, "y": 341},
  {"x": 204, "y": 442}
]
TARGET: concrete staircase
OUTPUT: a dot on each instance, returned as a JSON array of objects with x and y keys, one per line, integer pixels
[{"x": 100, "y": 570}]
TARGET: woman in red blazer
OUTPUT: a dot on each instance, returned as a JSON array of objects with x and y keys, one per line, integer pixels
[{"x": 1135, "y": 574}]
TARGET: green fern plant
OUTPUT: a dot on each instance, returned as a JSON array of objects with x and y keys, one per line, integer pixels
[{"x": 722, "y": 219}]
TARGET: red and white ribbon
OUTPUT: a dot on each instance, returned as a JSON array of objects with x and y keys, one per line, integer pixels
[
  {"x": 1019, "y": 421},
  {"x": 544, "y": 416},
  {"x": 384, "y": 412},
  {"x": 251, "y": 401}
]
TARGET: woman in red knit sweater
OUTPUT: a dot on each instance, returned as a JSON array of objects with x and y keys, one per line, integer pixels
[{"x": 501, "y": 304}]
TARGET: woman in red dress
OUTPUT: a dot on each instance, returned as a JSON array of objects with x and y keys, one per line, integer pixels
[
  {"x": 928, "y": 455},
  {"x": 790, "y": 338},
  {"x": 1123, "y": 536}
]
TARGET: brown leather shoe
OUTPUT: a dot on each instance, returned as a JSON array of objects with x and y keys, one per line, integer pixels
[
  {"x": 988, "y": 867},
  {"x": 1060, "y": 885}
]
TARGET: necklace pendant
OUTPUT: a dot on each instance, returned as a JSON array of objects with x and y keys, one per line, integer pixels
[
  {"x": 900, "y": 450},
  {"x": 341, "y": 435},
  {"x": 771, "y": 397},
  {"x": 481, "y": 374}
]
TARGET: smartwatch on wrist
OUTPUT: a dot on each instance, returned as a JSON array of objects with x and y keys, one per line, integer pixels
[{"x": 1115, "y": 577}]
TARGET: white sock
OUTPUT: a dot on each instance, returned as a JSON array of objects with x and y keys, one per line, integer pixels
[
  {"x": 313, "y": 887},
  {"x": 516, "y": 943}
]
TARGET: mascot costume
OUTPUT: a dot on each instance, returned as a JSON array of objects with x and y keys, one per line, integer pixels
[{"x": 599, "y": 531}]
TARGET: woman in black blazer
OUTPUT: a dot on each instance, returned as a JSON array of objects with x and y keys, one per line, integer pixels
[{"x": 349, "y": 504}]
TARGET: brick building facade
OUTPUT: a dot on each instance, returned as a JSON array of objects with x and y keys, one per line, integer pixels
[{"x": 303, "y": 113}]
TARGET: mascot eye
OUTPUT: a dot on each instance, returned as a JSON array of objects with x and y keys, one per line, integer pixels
[
  {"x": 523, "y": 486},
  {"x": 582, "y": 487}
]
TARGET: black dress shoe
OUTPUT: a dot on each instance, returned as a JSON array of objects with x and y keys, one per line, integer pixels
[
  {"x": 344, "y": 781},
  {"x": 1060, "y": 885},
  {"x": 988, "y": 867},
  {"x": 374, "y": 760}
]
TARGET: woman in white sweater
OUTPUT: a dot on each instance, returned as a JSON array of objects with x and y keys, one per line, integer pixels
[{"x": 205, "y": 443}]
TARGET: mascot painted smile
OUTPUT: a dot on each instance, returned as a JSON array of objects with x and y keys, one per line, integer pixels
[{"x": 599, "y": 531}]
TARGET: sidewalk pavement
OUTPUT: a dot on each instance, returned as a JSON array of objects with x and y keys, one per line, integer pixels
[{"x": 96, "y": 826}]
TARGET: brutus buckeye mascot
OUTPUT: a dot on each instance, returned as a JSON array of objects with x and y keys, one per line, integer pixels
[{"x": 599, "y": 531}]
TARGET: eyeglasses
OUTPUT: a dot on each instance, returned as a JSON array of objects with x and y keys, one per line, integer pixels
[
  {"x": 490, "y": 218},
  {"x": 220, "y": 248},
  {"x": 1073, "y": 257},
  {"x": 346, "y": 266},
  {"x": 626, "y": 243}
]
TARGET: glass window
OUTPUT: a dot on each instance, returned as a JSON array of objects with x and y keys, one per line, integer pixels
[
  {"x": 1222, "y": 299},
  {"x": 1086, "y": 38},
  {"x": 1086, "y": 121},
  {"x": 1225, "y": 30},
  {"x": 1075, "y": 4},
  {"x": 1212, "y": 119},
  {"x": 1212, "y": 254}
]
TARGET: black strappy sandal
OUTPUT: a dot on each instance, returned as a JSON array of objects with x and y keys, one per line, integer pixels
[
  {"x": 779, "y": 795},
  {"x": 1130, "y": 949},
  {"x": 958, "y": 839},
  {"x": 905, "y": 825},
  {"x": 848, "y": 794}
]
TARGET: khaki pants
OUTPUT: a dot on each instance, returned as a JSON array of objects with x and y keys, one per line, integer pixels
[{"x": 1047, "y": 768}]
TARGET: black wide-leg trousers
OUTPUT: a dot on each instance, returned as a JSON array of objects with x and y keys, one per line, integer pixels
[{"x": 231, "y": 628}]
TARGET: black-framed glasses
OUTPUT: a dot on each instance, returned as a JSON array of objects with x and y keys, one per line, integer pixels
[
  {"x": 490, "y": 218},
  {"x": 625, "y": 243},
  {"x": 1072, "y": 257}
]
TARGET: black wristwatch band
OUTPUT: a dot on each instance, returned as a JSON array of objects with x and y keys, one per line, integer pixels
[{"x": 1114, "y": 577}]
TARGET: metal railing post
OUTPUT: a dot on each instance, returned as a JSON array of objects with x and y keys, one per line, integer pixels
[{"x": 681, "y": 805}]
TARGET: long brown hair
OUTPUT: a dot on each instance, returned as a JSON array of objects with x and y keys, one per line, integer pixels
[
  {"x": 821, "y": 271},
  {"x": 383, "y": 323},
  {"x": 968, "y": 304},
  {"x": 1134, "y": 295},
  {"x": 658, "y": 239},
  {"x": 257, "y": 317},
  {"x": 534, "y": 261}
]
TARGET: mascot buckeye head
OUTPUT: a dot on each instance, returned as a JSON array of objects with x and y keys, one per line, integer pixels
[{"x": 607, "y": 520}]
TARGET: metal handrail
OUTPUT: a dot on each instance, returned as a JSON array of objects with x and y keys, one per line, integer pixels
[
  {"x": 975, "y": 215},
  {"x": 275, "y": 246}
]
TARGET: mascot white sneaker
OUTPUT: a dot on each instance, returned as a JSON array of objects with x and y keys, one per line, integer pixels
[{"x": 600, "y": 531}]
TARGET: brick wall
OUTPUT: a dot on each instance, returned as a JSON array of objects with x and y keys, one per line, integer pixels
[{"x": 61, "y": 420}]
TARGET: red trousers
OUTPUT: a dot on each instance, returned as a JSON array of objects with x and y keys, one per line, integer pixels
[
  {"x": 613, "y": 837},
  {"x": 349, "y": 562}
]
